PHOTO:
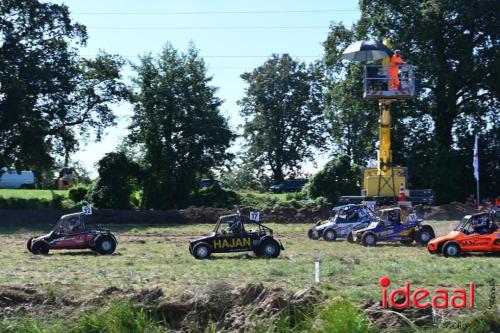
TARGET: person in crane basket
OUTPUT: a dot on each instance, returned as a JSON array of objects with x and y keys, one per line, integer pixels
[{"x": 396, "y": 60}]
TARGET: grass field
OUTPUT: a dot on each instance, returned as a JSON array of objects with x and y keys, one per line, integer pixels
[
  {"x": 31, "y": 194},
  {"x": 159, "y": 256}
]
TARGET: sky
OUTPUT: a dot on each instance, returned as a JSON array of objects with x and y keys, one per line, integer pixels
[{"x": 232, "y": 36}]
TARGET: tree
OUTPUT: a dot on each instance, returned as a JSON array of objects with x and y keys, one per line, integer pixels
[
  {"x": 352, "y": 119},
  {"x": 338, "y": 177},
  {"x": 178, "y": 123},
  {"x": 118, "y": 178},
  {"x": 49, "y": 96},
  {"x": 457, "y": 59},
  {"x": 283, "y": 111}
]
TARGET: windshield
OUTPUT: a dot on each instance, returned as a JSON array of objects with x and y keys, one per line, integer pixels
[{"x": 463, "y": 223}]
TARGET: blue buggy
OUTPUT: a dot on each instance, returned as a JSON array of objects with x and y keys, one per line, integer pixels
[
  {"x": 394, "y": 224},
  {"x": 343, "y": 219}
]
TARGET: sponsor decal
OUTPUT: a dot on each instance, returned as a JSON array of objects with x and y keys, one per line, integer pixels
[
  {"x": 459, "y": 298},
  {"x": 229, "y": 243}
]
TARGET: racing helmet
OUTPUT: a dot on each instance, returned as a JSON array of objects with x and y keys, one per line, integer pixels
[{"x": 481, "y": 222}]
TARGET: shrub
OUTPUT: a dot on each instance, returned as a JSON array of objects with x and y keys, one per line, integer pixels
[
  {"x": 339, "y": 317},
  {"x": 337, "y": 178},
  {"x": 118, "y": 177},
  {"x": 215, "y": 196},
  {"x": 78, "y": 193}
]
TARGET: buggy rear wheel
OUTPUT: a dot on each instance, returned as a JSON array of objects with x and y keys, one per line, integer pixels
[
  {"x": 40, "y": 247},
  {"x": 105, "y": 245},
  {"x": 201, "y": 251},
  {"x": 424, "y": 234},
  {"x": 269, "y": 248},
  {"x": 451, "y": 249},
  {"x": 369, "y": 239},
  {"x": 329, "y": 235}
]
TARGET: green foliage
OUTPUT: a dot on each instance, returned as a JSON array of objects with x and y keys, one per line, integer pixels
[
  {"x": 339, "y": 317},
  {"x": 121, "y": 317},
  {"x": 338, "y": 177},
  {"x": 353, "y": 120},
  {"x": 179, "y": 125},
  {"x": 247, "y": 177},
  {"x": 78, "y": 193},
  {"x": 215, "y": 196},
  {"x": 57, "y": 202},
  {"x": 48, "y": 94},
  {"x": 118, "y": 177},
  {"x": 457, "y": 69},
  {"x": 283, "y": 111}
]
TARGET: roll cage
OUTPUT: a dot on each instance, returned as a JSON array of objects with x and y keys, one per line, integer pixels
[{"x": 237, "y": 218}]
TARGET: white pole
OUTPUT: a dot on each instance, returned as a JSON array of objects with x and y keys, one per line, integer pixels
[{"x": 317, "y": 270}]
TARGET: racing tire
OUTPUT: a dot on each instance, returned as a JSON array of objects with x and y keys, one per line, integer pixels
[
  {"x": 424, "y": 235},
  {"x": 329, "y": 235},
  {"x": 451, "y": 249},
  {"x": 201, "y": 251},
  {"x": 105, "y": 245},
  {"x": 40, "y": 247},
  {"x": 350, "y": 238},
  {"x": 369, "y": 239},
  {"x": 28, "y": 244},
  {"x": 269, "y": 248},
  {"x": 313, "y": 234}
]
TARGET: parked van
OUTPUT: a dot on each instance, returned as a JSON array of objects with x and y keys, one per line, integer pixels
[{"x": 13, "y": 179}]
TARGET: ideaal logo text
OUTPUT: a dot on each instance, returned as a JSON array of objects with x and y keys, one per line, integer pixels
[{"x": 459, "y": 298}]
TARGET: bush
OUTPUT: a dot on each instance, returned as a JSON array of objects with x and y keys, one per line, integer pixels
[
  {"x": 337, "y": 178},
  {"x": 118, "y": 177},
  {"x": 78, "y": 193},
  {"x": 339, "y": 317},
  {"x": 57, "y": 202},
  {"x": 215, "y": 196}
]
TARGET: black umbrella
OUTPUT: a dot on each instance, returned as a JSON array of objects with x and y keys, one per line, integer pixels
[{"x": 366, "y": 50}]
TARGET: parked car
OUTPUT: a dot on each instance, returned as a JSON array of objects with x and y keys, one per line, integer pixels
[
  {"x": 293, "y": 185},
  {"x": 206, "y": 183},
  {"x": 14, "y": 179}
]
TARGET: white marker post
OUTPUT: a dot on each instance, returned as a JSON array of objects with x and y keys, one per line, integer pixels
[{"x": 317, "y": 270}]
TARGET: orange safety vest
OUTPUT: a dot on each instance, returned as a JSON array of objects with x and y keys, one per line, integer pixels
[{"x": 394, "y": 71}]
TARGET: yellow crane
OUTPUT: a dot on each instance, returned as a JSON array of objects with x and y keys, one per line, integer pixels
[{"x": 386, "y": 180}]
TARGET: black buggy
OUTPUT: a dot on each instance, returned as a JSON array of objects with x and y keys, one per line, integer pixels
[{"x": 230, "y": 235}]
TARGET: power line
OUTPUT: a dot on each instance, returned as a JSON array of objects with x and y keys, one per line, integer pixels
[
  {"x": 319, "y": 11},
  {"x": 220, "y": 56},
  {"x": 212, "y": 28}
]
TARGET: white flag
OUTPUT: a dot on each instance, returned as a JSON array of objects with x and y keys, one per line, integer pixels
[{"x": 476, "y": 159}]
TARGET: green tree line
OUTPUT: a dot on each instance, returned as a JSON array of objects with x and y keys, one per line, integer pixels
[{"x": 52, "y": 99}]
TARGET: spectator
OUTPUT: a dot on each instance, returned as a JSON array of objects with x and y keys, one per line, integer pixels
[{"x": 470, "y": 200}]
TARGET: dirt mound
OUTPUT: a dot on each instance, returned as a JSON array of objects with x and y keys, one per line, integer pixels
[
  {"x": 452, "y": 211},
  {"x": 15, "y": 300},
  {"x": 392, "y": 318},
  {"x": 236, "y": 309}
]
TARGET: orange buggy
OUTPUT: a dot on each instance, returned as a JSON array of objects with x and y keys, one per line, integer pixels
[{"x": 475, "y": 233}]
